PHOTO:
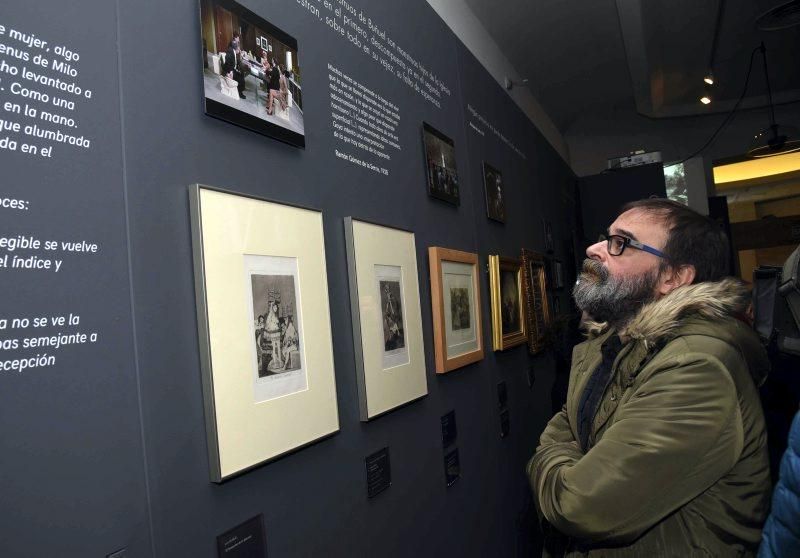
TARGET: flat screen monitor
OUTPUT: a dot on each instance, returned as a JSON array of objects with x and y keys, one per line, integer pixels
[{"x": 251, "y": 72}]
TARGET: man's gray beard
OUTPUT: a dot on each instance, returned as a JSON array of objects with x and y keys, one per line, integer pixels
[{"x": 608, "y": 299}]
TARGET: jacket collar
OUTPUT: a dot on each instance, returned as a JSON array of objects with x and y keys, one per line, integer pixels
[{"x": 658, "y": 321}]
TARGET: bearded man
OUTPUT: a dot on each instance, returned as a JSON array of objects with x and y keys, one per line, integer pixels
[{"x": 660, "y": 449}]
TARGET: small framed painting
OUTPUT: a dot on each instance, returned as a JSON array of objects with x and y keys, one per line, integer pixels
[
  {"x": 536, "y": 306},
  {"x": 508, "y": 312},
  {"x": 456, "y": 308},
  {"x": 493, "y": 187},
  {"x": 440, "y": 165}
]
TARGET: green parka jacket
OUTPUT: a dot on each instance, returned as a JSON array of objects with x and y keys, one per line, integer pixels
[{"x": 677, "y": 463}]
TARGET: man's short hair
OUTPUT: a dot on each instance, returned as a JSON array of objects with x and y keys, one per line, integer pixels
[{"x": 693, "y": 239}]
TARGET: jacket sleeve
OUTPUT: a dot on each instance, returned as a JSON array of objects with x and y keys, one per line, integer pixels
[
  {"x": 677, "y": 434},
  {"x": 557, "y": 433},
  {"x": 557, "y": 430},
  {"x": 780, "y": 536}
]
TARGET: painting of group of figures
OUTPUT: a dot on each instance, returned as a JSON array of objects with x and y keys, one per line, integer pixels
[
  {"x": 389, "y": 281},
  {"x": 277, "y": 337},
  {"x": 440, "y": 159},
  {"x": 391, "y": 304},
  {"x": 251, "y": 72},
  {"x": 510, "y": 311},
  {"x": 459, "y": 308}
]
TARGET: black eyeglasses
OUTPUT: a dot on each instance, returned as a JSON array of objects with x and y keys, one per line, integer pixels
[{"x": 618, "y": 243}]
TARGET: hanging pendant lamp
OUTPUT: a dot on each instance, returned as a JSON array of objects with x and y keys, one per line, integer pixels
[{"x": 776, "y": 139}]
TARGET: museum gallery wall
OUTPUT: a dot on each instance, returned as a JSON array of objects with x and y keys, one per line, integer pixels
[{"x": 126, "y": 297}]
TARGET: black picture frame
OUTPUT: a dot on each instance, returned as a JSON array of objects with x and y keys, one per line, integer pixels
[
  {"x": 440, "y": 165},
  {"x": 549, "y": 243},
  {"x": 245, "y": 112},
  {"x": 493, "y": 192}
]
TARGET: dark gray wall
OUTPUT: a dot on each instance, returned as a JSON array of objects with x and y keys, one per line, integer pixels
[
  {"x": 603, "y": 195},
  {"x": 314, "y": 501},
  {"x": 72, "y": 463}
]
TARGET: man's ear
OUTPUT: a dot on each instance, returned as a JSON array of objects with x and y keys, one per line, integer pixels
[{"x": 674, "y": 277}]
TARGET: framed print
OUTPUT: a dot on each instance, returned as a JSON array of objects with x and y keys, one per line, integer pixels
[
  {"x": 493, "y": 187},
  {"x": 251, "y": 76},
  {"x": 456, "y": 308},
  {"x": 536, "y": 306},
  {"x": 440, "y": 164},
  {"x": 266, "y": 353},
  {"x": 508, "y": 312},
  {"x": 387, "y": 321}
]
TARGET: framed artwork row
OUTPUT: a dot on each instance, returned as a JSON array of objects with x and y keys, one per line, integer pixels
[{"x": 264, "y": 327}]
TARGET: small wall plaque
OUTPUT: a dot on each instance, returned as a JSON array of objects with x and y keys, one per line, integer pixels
[
  {"x": 502, "y": 395},
  {"x": 449, "y": 430},
  {"x": 379, "y": 472},
  {"x": 244, "y": 541},
  {"x": 452, "y": 467},
  {"x": 505, "y": 424}
]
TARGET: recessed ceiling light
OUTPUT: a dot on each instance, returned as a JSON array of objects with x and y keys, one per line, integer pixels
[{"x": 705, "y": 99}]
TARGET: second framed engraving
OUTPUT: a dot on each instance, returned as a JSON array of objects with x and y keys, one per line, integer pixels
[
  {"x": 387, "y": 321},
  {"x": 456, "y": 307}
]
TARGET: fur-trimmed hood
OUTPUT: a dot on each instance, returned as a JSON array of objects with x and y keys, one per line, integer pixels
[
  {"x": 659, "y": 320},
  {"x": 709, "y": 306}
]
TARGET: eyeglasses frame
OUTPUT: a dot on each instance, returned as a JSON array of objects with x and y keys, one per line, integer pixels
[{"x": 627, "y": 241}]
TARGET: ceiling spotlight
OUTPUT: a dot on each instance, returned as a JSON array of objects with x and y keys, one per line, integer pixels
[
  {"x": 709, "y": 78},
  {"x": 705, "y": 99}
]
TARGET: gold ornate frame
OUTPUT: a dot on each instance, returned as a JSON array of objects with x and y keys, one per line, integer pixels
[
  {"x": 502, "y": 340},
  {"x": 536, "y": 303}
]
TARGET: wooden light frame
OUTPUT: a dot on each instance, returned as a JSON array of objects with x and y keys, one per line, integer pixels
[{"x": 436, "y": 257}]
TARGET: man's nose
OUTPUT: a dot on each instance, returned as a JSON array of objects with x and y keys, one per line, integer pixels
[{"x": 597, "y": 251}]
